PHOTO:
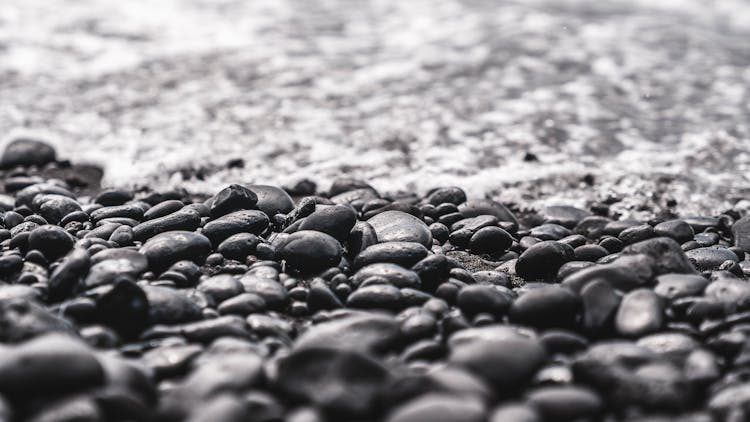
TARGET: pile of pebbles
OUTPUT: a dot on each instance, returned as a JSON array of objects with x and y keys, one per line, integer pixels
[{"x": 269, "y": 304}]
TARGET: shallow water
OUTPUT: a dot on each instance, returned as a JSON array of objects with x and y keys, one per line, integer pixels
[{"x": 651, "y": 98}]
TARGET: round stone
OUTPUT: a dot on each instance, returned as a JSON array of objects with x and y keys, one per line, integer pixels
[
  {"x": 566, "y": 403},
  {"x": 394, "y": 274},
  {"x": 340, "y": 381},
  {"x": 678, "y": 230},
  {"x": 542, "y": 260},
  {"x": 167, "y": 248},
  {"x": 440, "y": 408},
  {"x": 641, "y": 312},
  {"x": 483, "y": 298},
  {"x": 546, "y": 307},
  {"x": 506, "y": 362},
  {"x": 491, "y": 240},
  {"x": 450, "y": 195},
  {"x": 272, "y": 200},
  {"x": 336, "y": 221},
  {"x": 27, "y": 152},
  {"x": 52, "y": 241},
  {"x": 239, "y": 246},
  {"x": 310, "y": 251},
  {"x": 398, "y": 226}
]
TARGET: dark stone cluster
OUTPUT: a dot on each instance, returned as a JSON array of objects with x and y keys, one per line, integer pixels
[{"x": 354, "y": 305}]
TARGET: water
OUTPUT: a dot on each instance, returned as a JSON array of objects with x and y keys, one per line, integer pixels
[{"x": 651, "y": 98}]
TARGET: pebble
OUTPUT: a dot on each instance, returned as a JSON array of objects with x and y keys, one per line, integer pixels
[
  {"x": 170, "y": 306},
  {"x": 641, "y": 312},
  {"x": 111, "y": 264},
  {"x": 365, "y": 332},
  {"x": 49, "y": 364},
  {"x": 451, "y": 195},
  {"x": 245, "y": 221},
  {"x": 242, "y": 304},
  {"x": 476, "y": 208},
  {"x": 506, "y": 363},
  {"x": 404, "y": 254},
  {"x": 546, "y": 307},
  {"x": 600, "y": 303},
  {"x": 542, "y": 260},
  {"x": 185, "y": 219},
  {"x": 392, "y": 273},
  {"x": 336, "y": 221},
  {"x": 549, "y": 232},
  {"x": 710, "y": 258},
  {"x": 678, "y": 230},
  {"x": 375, "y": 296},
  {"x": 239, "y": 246},
  {"x": 483, "y": 298},
  {"x": 232, "y": 198},
  {"x": 566, "y": 403},
  {"x": 341, "y": 382},
  {"x": 51, "y": 240},
  {"x": 675, "y": 286},
  {"x": 564, "y": 215},
  {"x": 272, "y": 200},
  {"x": 667, "y": 255},
  {"x": 221, "y": 287},
  {"x": 490, "y": 240},
  {"x": 274, "y": 294},
  {"x": 439, "y": 408},
  {"x": 167, "y": 248},
  {"x": 398, "y": 226},
  {"x": 27, "y": 152},
  {"x": 310, "y": 251},
  {"x": 54, "y": 208}
]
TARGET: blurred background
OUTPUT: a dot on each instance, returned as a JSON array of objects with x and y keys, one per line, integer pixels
[{"x": 641, "y": 103}]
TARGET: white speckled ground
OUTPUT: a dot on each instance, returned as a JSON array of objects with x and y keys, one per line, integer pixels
[{"x": 649, "y": 97}]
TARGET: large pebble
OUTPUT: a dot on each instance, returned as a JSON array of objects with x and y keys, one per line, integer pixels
[
  {"x": 394, "y": 274},
  {"x": 710, "y": 258},
  {"x": 27, "y": 152},
  {"x": 543, "y": 259},
  {"x": 483, "y": 298},
  {"x": 48, "y": 364},
  {"x": 506, "y": 363},
  {"x": 111, "y": 264},
  {"x": 185, "y": 219},
  {"x": 489, "y": 207},
  {"x": 272, "y": 200},
  {"x": 170, "y": 306},
  {"x": 667, "y": 255},
  {"x": 564, "y": 215},
  {"x": 52, "y": 241},
  {"x": 232, "y": 198},
  {"x": 641, "y": 312},
  {"x": 546, "y": 307},
  {"x": 336, "y": 221},
  {"x": 398, "y": 226},
  {"x": 167, "y": 248},
  {"x": 366, "y": 332},
  {"x": 310, "y": 251},
  {"x": 244, "y": 221},
  {"x": 343, "y": 382},
  {"x": 566, "y": 403},
  {"x": 437, "y": 407},
  {"x": 405, "y": 254}
]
